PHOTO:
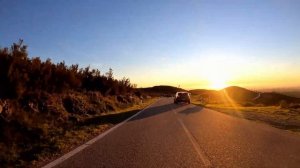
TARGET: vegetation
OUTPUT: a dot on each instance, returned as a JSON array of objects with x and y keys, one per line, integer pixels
[
  {"x": 43, "y": 104},
  {"x": 21, "y": 75},
  {"x": 85, "y": 130}
]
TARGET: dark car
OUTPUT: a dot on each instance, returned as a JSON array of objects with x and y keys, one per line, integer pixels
[{"x": 182, "y": 97}]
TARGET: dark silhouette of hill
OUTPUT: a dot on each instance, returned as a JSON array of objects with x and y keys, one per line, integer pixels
[
  {"x": 267, "y": 98},
  {"x": 160, "y": 90},
  {"x": 202, "y": 91},
  {"x": 291, "y": 93},
  {"x": 275, "y": 98},
  {"x": 242, "y": 95},
  {"x": 239, "y": 94}
]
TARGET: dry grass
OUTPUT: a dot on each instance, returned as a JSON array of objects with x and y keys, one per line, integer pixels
[
  {"x": 283, "y": 118},
  {"x": 68, "y": 140}
]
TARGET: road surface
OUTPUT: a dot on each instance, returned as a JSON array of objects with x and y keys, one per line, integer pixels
[{"x": 169, "y": 135}]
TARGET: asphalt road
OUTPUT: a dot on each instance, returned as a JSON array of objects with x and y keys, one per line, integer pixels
[{"x": 169, "y": 135}]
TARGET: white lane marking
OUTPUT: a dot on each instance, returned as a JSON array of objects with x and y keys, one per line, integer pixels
[
  {"x": 90, "y": 142},
  {"x": 196, "y": 146}
]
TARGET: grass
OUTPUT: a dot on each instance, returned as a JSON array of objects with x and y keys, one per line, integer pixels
[
  {"x": 283, "y": 118},
  {"x": 67, "y": 140}
]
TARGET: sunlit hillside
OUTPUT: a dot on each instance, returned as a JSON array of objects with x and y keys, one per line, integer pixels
[{"x": 240, "y": 95}]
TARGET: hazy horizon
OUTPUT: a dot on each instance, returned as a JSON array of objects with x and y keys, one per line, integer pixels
[
  {"x": 194, "y": 44},
  {"x": 260, "y": 89}
]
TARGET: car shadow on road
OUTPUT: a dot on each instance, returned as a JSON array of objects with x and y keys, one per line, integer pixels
[
  {"x": 156, "y": 110},
  {"x": 119, "y": 117},
  {"x": 149, "y": 112},
  {"x": 191, "y": 110}
]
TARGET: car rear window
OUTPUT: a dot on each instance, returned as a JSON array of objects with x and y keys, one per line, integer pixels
[{"x": 183, "y": 94}]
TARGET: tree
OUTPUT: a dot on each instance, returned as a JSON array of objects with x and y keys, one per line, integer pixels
[{"x": 109, "y": 74}]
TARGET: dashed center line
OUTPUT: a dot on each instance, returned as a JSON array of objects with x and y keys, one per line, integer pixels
[{"x": 196, "y": 146}]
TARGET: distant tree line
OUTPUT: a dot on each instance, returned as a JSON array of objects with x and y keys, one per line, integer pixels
[{"x": 20, "y": 74}]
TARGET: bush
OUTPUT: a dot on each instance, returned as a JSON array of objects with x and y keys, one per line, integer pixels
[
  {"x": 248, "y": 104},
  {"x": 283, "y": 104},
  {"x": 40, "y": 100},
  {"x": 294, "y": 106},
  {"x": 20, "y": 74}
]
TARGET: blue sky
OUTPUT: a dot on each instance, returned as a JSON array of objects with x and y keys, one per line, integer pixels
[{"x": 178, "y": 42}]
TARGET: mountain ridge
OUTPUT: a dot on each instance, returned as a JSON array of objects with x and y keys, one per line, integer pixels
[{"x": 242, "y": 95}]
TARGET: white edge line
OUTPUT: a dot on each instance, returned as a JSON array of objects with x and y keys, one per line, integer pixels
[
  {"x": 196, "y": 146},
  {"x": 90, "y": 142}
]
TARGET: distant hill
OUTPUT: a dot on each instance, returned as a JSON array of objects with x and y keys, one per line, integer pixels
[
  {"x": 160, "y": 90},
  {"x": 275, "y": 98},
  {"x": 242, "y": 95},
  {"x": 202, "y": 91},
  {"x": 291, "y": 93},
  {"x": 239, "y": 94}
]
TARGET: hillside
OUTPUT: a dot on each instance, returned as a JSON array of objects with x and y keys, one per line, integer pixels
[
  {"x": 42, "y": 103},
  {"x": 239, "y": 94},
  {"x": 242, "y": 95},
  {"x": 160, "y": 90},
  {"x": 202, "y": 91},
  {"x": 291, "y": 93},
  {"x": 273, "y": 98}
]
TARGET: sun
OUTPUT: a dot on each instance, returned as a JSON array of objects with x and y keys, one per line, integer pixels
[
  {"x": 218, "y": 76},
  {"x": 217, "y": 83}
]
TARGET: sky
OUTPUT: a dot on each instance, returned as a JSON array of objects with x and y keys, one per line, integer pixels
[{"x": 187, "y": 43}]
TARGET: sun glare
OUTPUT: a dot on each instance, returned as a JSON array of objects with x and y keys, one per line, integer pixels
[
  {"x": 218, "y": 80},
  {"x": 217, "y": 83}
]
